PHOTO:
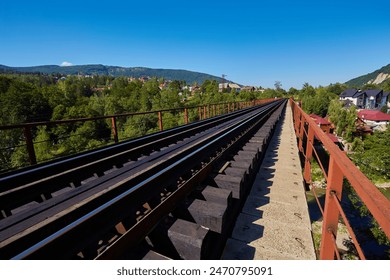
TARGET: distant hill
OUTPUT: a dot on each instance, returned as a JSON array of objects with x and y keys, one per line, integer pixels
[
  {"x": 376, "y": 77},
  {"x": 97, "y": 69}
]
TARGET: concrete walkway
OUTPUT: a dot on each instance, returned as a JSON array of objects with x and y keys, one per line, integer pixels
[{"x": 274, "y": 223}]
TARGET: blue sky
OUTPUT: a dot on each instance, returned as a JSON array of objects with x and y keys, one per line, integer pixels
[{"x": 252, "y": 42}]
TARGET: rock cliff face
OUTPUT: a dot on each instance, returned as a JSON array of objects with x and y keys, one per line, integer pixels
[
  {"x": 380, "y": 78},
  {"x": 376, "y": 77}
]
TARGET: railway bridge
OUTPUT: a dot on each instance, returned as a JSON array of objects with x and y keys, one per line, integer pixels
[{"x": 231, "y": 185}]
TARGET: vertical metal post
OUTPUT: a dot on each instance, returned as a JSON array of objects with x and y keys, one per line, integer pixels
[
  {"x": 30, "y": 145},
  {"x": 308, "y": 155},
  {"x": 294, "y": 113},
  {"x": 214, "y": 110},
  {"x": 297, "y": 119},
  {"x": 219, "y": 109},
  {"x": 114, "y": 129},
  {"x": 185, "y": 115},
  {"x": 160, "y": 121},
  {"x": 204, "y": 112},
  {"x": 228, "y": 107},
  {"x": 200, "y": 113},
  {"x": 301, "y": 131},
  {"x": 331, "y": 212}
]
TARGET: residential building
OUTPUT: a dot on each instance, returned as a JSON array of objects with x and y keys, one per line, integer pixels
[
  {"x": 362, "y": 128},
  {"x": 195, "y": 89},
  {"x": 386, "y": 101},
  {"x": 376, "y": 119},
  {"x": 348, "y": 103},
  {"x": 350, "y": 95},
  {"x": 366, "y": 99},
  {"x": 229, "y": 87},
  {"x": 249, "y": 88},
  {"x": 324, "y": 124},
  {"x": 373, "y": 98}
]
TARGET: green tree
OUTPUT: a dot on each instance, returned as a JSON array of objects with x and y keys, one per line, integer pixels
[
  {"x": 293, "y": 92},
  {"x": 246, "y": 95},
  {"x": 370, "y": 86},
  {"x": 373, "y": 157},
  {"x": 278, "y": 85},
  {"x": 316, "y": 101},
  {"x": 337, "y": 88},
  {"x": 209, "y": 87},
  {"x": 23, "y": 103},
  {"x": 386, "y": 85},
  {"x": 167, "y": 100},
  {"x": 43, "y": 147}
]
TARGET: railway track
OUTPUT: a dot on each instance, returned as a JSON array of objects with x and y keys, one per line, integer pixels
[{"x": 138, "y": 199}]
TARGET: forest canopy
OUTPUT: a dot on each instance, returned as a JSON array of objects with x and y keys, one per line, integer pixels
[
  {"x": 38, "y": 97},
  {"x": 42, "y": 97}
]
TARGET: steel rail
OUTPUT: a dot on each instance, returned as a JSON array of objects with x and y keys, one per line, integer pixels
[
  {"x": 136, "y": 233},
  {"x": 7, "y": 224},
  {"x": 59, "y": 165},
  {"x": 96, "y": 219},
  {"x": 208, "y": 111},
  {"x": 135, "y": 171},
  {"x": 26, "y": 186}
]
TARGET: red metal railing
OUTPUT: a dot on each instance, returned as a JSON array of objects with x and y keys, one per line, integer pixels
[
  {"x": 204, "y": 111},
  {"x": 340, "y": 167}
]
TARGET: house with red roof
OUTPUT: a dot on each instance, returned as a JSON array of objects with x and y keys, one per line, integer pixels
[
  {"x": 374, "y": 118},
  {"x": 327, "y": 127},
  {"x": 324, "y": 124}
]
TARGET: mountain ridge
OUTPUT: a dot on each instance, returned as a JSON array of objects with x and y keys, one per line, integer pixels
[
  {"x": 189, "y": 77},
  {"x": 376, "y": 77}
]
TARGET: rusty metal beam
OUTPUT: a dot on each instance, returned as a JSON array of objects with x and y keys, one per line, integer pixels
[
  {"x": 160, "y": 121},
  {"x": 341, "y": 166},
  {"x": 309, "y": 154},
  {"x": 29, "y": 144},
  {"x": 331, "y": 212},
  {"x": 114, "y": 129}
]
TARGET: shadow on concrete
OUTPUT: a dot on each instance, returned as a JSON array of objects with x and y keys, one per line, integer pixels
[
  {"x": 246, "y": 230},
  {"x": 238, "y": 250}
]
